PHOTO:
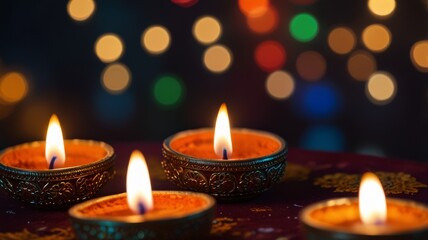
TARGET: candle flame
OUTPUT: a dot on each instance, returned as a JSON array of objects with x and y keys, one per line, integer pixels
[
  {"x": 54, "y": 149},
  {"x": 372, "y": 201},
  {"x": 138, "y": 186},
  {"x": 222, "y": 137}
]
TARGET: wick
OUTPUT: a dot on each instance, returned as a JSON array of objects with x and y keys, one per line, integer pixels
[
  {"x": 52, "y": 163},
  {"x": 141, "y": 208},
  {"x": 224, "y": 154}
]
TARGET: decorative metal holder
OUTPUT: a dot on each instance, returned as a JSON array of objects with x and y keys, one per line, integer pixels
[
  {"x": 316, "y": 229},
  {"x": 226, "y": 180},
  {"x": 57, "y": 188},
  {"x": 187, "y": 226}
]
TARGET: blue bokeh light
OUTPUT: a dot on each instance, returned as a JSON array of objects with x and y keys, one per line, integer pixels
[{"x": 323, "y": 137}]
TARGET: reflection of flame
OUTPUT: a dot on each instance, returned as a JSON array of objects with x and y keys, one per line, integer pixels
[
  {"x": 54, "y": 149},
  {"x": 138, "y": 186},
  {"x": 222, "y": 138},
  {"x": 372, "y": 202}
]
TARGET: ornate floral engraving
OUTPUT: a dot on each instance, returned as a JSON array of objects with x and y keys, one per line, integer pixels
[
  {"x": 275, "y": 172},
  {"x": 195, "y": 181},
  {"x": 60, "y": 192},
  {"x": 222, "y": 182},
  {"x": 253, "y": 181}
]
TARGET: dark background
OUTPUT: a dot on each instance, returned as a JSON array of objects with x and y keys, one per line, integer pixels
[{"x": 56, "y": 54}]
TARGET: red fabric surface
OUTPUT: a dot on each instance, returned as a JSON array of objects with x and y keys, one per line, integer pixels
[{"x": 272, "y": 215}]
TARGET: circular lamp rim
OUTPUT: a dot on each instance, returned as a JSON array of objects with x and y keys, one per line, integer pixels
[
  {"x": 126, "y": 220},
  {"x": 305, "y": 219},
  {"x": 64, "y": 171},
  {"x": 283, "y": 148}
]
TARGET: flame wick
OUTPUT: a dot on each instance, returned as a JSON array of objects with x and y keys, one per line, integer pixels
[
  {"x": 224, "y": 154},
  {"x": 52, "y": 162},
  {"x": 141, "y": 208}
]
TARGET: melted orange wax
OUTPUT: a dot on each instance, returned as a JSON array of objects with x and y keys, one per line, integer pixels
[
  {"x": 400, "y": 217},
  {"x": 164, "y": 205},
  {"x": 33, "y": 157},
  {"x": 245, "y": 145}
]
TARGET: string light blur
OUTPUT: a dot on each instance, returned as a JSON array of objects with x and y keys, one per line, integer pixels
[
  {"x": 381, "y": 88},
  {"x": 217, "y": 58},
  {"x": 156, "y": 39},
  {"x": 207, "y": 29},
  {"x": 311, "y": 65},
  {"x": 168, "y": 91},
  {"x": 361, "y": 64},
  {"x": 109, "y": 47},
  {"x": 381, "y": 8},
  {"x": 116, "y": 78},
  {"x": 253, "y": 7},
  {"x": 80, "y": 10},
  {"x": 304, "y": 27},
  {"x": 270, "y": 55},
  {"x": 419, "y": 55},
  {"x": 280, "y": 85},
  {"x": 342, "y": 40},
  {"x": 376, "y": 37},
  {"x": 265, "y": 23},
  {"x": 13, "y": 87}
]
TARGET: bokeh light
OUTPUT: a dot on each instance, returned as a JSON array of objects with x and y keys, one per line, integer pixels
[
  {"x": 185, "y": 3},
  {"x": 361, "y": 65},
  {"x": 324, "y": 138},
  {"x": 80, "y": 10},
  {"x": 253, "y": 7},
  {"x": 270, "y": 55},
  {"x": 265, "y": 23},
  {"x": 280, "y": 85},
  {"x": 116, "y": 78},
  {"x": 217, "y": 58},
  {"x": 376, "y": 37},
  {"x": 109, "y": 47},
  {"x": 13, "y": 87},
  {"x": 114, "y": 109},
  {"x": 342, "y": 40},
  {"x": 156, "y": 39},
  {"x": 304, "y": 27},
  {"x": 419, "y": 55},
  {"x": 207, "y": 29},
  {"x": 381, "y": 7},
  {"x": 311, "y": 65},
  {"x": 318, "y": 100},
  {"x": 381, "y": 88},
  {"x": 168, "y": 91}
]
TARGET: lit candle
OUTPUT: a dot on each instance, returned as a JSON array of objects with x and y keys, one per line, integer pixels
[
  {"x": 371, "y": 216},
  {"x": 39, "y": 174},
  {"x": 141, "y": 212},
  {"x": 196, "y": 160}
]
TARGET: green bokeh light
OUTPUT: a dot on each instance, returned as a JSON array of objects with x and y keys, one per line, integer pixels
[
  {"x": 168, "y": 90},
  {"x": 304, "y": 27}
]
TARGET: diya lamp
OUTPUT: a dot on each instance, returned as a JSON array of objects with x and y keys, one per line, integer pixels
[
  {"x": 142, "y": 214},
  {"x": 55, "y": 173},
  {"x": 371, "y": 216},
  {"x": 229, "y": 164}
]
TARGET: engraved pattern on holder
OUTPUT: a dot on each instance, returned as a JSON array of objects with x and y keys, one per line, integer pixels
[
  {"x": 58, "y": 188},
  {"x": 225, "y": 180}
]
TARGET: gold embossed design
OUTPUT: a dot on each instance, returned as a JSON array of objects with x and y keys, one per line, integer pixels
[
  {"x": 58, "y": 188},
  {"x": 392, "y": 182}
]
